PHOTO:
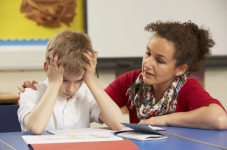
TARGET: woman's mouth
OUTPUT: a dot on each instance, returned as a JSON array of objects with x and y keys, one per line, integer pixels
[{"x": 148, "y": 74}]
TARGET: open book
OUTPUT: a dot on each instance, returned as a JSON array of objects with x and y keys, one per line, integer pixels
[
  {"x": 82, "y": 139},
  {"x": 141, "y": 132},
  {"x": 76, "y": 137}
]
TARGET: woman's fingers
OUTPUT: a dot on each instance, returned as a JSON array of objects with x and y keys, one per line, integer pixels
[
  {"x": 34, "y": 82},
  {"x": 28, "y": 84},
  {"x": 18, "y": 95},
  {"x": 21, "y": 88}
]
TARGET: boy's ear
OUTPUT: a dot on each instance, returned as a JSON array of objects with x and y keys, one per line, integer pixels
[
  {"x": 45, "y": 66},
  {"x": 181, "y": 70}
]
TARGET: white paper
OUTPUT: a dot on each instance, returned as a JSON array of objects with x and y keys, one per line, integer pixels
[
  {"x": 80, "y": 131},
  {"x": 141, "y": 136},
  {"x": 79, "y": 137}
]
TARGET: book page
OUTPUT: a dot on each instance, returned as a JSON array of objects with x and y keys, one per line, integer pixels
[
  {"x": 79, "y": 137},
  {"x": 80, "y": 131}
]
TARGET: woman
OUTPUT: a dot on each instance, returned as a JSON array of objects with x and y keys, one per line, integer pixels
[{"x": 163, "y": 93}]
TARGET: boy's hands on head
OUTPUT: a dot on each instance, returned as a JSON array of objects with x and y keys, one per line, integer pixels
[
  {"x": 90, "y": 67},
  {"x": 54, "y": 70}
]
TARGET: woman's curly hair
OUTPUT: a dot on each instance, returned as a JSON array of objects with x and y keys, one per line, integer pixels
[{"x": 192, "y": 44}]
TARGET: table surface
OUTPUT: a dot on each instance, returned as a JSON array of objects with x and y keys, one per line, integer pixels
[
  {"x": 8, "y": 98},
  {"x": 214, "y": 137},
  {"x": 16, "y": 142}
]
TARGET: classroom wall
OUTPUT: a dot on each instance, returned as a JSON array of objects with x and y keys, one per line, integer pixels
[
  {"x": 216, "y": 83},
  {"x": 123, "y": 22}
]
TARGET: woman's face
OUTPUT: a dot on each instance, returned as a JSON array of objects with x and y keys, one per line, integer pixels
[{"x": 158, "y": 64}]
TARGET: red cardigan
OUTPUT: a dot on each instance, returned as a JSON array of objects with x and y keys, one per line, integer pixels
[{"x": 191, "y": 96}]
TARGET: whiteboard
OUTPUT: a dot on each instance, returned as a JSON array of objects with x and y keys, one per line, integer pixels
[{"x": 116, "y": 27}]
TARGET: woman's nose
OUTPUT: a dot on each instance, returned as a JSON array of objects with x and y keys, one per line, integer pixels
[{"x": 149, "y": 63}]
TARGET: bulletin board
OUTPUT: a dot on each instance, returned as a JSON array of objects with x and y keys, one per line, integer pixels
[{"x": 23, "y": 41}]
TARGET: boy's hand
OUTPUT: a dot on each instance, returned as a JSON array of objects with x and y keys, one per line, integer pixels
[
  {"x": 54, "y": 71},
  {"x": 90, "y": 67}
]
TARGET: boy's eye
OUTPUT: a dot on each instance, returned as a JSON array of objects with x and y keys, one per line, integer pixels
[{"x": 80, "y": 80}]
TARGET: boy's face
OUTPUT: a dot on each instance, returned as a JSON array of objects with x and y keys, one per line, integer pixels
[{"x": 70, "y": 85}]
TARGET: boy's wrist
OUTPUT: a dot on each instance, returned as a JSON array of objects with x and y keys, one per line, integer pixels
[
  {"x": 55, "y": 84},
  {"x": 89, "y": 80}
]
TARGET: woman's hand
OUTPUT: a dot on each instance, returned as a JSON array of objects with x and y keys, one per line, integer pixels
[
  {"x": 90, "y": 67},
  {"x": 26, "y": 84},
  {"x": 155, "y": 121},
  {"x": 54, "y": 70},
  {"x": 197, "y": 118}
]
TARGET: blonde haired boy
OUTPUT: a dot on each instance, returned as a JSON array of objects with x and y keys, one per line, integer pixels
[{"x": 62, "y": 101}]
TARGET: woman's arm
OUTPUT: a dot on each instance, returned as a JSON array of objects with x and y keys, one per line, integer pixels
[
  {"x": 207, "y": 117},
  {"x": 37, "y": 120},
  {"x": 110, "y": 112}
]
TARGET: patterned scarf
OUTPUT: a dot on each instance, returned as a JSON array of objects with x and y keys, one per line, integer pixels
[{"x": 142, "y": 97}]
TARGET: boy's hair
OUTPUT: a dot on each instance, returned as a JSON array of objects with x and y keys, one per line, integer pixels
[{"x": 69, "y": 46}]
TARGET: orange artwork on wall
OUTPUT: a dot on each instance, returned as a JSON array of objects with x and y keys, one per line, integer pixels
[{"x": 49, "y": 13}]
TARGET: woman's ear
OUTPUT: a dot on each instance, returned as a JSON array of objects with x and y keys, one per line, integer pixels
[
  {"x": 181, "y": 70},
  {"x": 45, "y": 66}
]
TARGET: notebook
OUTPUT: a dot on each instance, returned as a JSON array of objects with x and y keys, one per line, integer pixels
[
  {"x": 140, "y": 132},
  {"x": 105, "y": 145}
]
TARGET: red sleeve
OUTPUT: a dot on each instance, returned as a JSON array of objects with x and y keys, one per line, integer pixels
[
  {"x": 118, "y": 88},
  {"x": 193, "y": 96}
]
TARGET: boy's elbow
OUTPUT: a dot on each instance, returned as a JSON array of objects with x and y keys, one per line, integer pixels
[
  {"x": 117, "y": 127},
  {"x": 35, "y": 130}
]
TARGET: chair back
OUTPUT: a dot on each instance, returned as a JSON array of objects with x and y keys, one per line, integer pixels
[{"x": 8, "y": 119}]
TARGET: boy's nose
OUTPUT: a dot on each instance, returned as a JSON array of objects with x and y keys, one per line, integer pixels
[{"x": 70, "y": 88}]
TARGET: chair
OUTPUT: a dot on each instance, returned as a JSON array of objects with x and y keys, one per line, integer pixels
[{"x": 8, "y": 119}]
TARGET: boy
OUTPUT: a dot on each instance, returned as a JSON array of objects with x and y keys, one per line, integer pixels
[{"x": 62, "y": 101}]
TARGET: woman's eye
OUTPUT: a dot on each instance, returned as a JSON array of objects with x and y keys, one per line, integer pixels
[
  {"x": 148, "y": 53},
  {"x": 160, "y": 61},
  {"x": 65, "y": 80}
]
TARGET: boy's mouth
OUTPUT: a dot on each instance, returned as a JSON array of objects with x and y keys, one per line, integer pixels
[{"x": 68, "y": 94}]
